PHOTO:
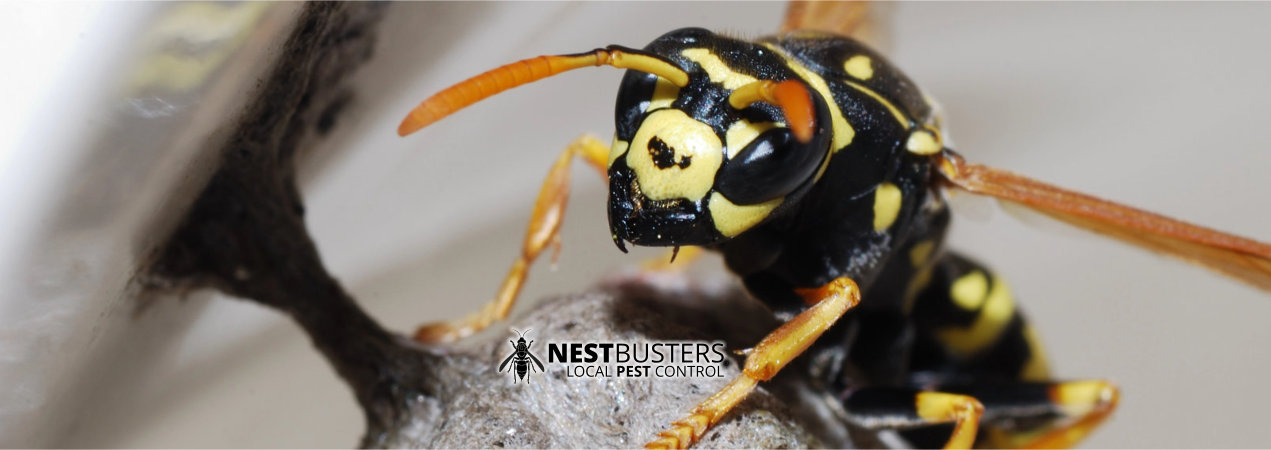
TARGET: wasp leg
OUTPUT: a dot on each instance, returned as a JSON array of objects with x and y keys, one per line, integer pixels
[
  {"x": 543, "y": 230},
  {"x": 1018, "y": 415},
  {"x": 829, "y": 302},
  {"x": 1045, "y": 415},
  {"x": 901, "y": 408}
]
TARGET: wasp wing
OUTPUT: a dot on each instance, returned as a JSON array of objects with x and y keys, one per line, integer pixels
[
  {"x": 836, "y": 17},
  {"x": 859, "y": 19},
  {"x": 1244, "y": 259},
  {"x": 536, "y": 361},
  {"x": 509, "y": 358}
]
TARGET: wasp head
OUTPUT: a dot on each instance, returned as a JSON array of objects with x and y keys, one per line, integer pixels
[
  {"x": 714, "y": 134},
  {"x": 520, "y": 340},
  {"x": 701, "y": 163}
]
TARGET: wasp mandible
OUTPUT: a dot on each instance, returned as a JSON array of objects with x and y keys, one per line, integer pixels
[
  {"x": 521, "y": 358},
  {"x": 818, "y": 170}
]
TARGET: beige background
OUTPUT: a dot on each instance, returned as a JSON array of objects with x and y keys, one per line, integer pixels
[{"x": 1164, "y": 106}]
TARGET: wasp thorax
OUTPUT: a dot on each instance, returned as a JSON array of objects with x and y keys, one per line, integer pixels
[{"x": 674, "y": 156}]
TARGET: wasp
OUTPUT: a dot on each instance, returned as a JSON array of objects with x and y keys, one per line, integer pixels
[
  {"x": 820, "y": 172},
  {"x": 521, "y": 358}
]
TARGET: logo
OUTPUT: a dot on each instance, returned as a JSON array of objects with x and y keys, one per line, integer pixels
[
  {"x": 640, "y": 359},
  {"x": 520, "y": 359},
  {"x": 632, "y": 359}
]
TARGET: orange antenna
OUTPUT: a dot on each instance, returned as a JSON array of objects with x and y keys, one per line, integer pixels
[
  {"x": 508, "y": 76},
  {"x": 790, "y": 95}
]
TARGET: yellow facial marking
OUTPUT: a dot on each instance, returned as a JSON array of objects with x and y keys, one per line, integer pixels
[
  {"x": 716, "y": 69},
  {"x": 616, "y": 150},
  {"x": 887, "y": 199},
  {"x": 995, "y": 314},
  {"x": 741, "y": 133},
  {"x": 921, "y": 252},
  {"x": 859, "y": 67},
  {"x": 675, "y": 156},
  {"x": 1036, "y": 369},
  {"x": 843, "y": 132},
  {"x": 731, "y": 219},
  {"x": 664, "y": 94},
  {"x": 923, "y": 142}
]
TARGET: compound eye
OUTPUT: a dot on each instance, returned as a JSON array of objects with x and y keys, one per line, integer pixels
[{"x": 771, "y": 166}]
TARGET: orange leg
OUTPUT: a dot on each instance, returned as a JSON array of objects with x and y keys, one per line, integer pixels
[
  {"x": 1088, "y": 402},
  {"x": 543, "y": 230},
  {"x": 906, "y": 408},
  {"x": 963, "y": 411},
  {"x": 766, "y": 359},
  {"x": 1058, "y": 414}
]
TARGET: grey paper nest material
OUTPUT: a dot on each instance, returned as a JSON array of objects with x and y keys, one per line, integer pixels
[{"x": 478, "y": 407}]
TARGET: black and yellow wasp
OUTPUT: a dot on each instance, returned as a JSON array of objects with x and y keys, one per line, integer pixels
[{"x": 818, "y": 171}]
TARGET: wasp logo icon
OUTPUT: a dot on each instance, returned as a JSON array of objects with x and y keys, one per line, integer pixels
[{"x": 521, "y": 358}]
